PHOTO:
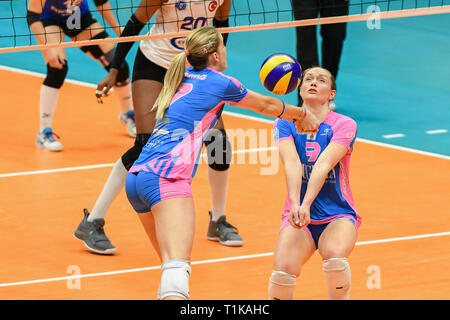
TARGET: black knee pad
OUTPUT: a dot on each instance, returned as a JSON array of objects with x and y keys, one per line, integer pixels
[
  {"x": 133, "y": 153},
  {"x": 219, "y": 150},
  {"x": 55, "y": 77},
  {"x": 95, "y": 50}
]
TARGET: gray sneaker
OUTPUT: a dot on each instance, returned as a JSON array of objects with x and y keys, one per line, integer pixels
[
  {"x": 223, "y": 232},
  {"x": 93, "y": 235}
]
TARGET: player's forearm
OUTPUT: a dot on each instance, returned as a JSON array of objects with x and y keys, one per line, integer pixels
[
  {"x": 315, "y": 184},
  {"x": 293, "y": 174},
  {"x": 272, "y": 107}
]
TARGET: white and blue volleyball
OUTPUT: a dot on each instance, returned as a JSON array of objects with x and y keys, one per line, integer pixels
[{"x": 280, "y": 73}]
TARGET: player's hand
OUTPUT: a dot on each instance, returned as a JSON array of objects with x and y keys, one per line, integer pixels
[
  {"x": 294, "y": 215},
  {"x": 309, "y": 124},
  {"x": 106, "y": 84},
  {"x": 303, "y": 216},
  {"x": 56, "y": 59}
]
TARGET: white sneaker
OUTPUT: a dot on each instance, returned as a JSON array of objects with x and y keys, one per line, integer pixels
[
  {"x": 332, "y": 105},
  {"x": 46, "y": 141},
  {"x": 127, "y": 118}
]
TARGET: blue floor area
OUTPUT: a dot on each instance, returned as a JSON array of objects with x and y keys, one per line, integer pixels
[{"x": 395, "y": 79}]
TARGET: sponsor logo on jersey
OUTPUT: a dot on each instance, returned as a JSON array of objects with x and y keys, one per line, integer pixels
[
  {"x": 212, "y": 5},
  {"x": 181, "y": 5}
]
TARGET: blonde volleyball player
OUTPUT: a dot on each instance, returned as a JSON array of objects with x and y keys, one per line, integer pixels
[
  {"x": 319, "y": 212},
  {"x": 151, "y": 63},
  {"x": 158, "y": 184},
  {"x": 50, "y": 20}
]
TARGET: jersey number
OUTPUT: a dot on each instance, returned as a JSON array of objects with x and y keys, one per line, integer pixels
[
  {"x": 312, "y": 151},
  {"x": 189, "y": 23}
]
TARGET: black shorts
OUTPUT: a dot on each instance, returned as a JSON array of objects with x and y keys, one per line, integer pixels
[
  {"x": 86, "y": 20},
  {"x": 144, "y": 69}
]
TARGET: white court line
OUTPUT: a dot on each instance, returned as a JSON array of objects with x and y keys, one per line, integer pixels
[
  {"x": 251, "y": 256},
  {"x": 239, "y": 115},
  {"x": 436, "y": 131},
  {"x": 95, "y": 166},
  {"x": 394, "y": 135}
]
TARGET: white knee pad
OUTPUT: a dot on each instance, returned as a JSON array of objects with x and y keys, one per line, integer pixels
[
  {"x": 281, "y": 285},
  {"x": 338, "y": 277},
  {"x": 174, "y": 279}
]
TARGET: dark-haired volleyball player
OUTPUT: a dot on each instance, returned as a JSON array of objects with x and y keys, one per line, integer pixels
[{"x": 50, "y": 20}]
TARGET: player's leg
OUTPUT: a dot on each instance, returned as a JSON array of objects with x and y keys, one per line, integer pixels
[
  {"x": 57, "y": 68},
  {"x": 145, "y": 92},
  {"x": 294, "y": 247},
  {"x": 104, "y": 54},
  {"x": 307, "y": 54},
  {"x": 335, "y": 244},
  {"x": 219, "y": 153},
  {"x": 174, "y": 225},
  {"x": 333, "y": 35},
  {"x": 172, "y": 229}
]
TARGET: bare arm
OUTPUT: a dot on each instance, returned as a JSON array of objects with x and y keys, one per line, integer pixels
[
  {"x": 292, "y": 169},
  {"x": 274, "y": 107},
  {"x": 147, "y": 9},
  {"x": 223, "y": 11},
  {"x": 332, "y": 154}
]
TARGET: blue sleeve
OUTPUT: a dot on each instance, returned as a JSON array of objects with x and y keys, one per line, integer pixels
[
  {"x": 235, "y": 91},
  {"x": 282, "y": 130}
]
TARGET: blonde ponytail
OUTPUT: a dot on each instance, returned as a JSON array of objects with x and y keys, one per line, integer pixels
[{"x": 172, "y": 80}]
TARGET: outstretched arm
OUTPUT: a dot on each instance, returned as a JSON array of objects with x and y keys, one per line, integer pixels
[
  {"x": 137, "y": 21},
  {"x": 273, "y": 107}
]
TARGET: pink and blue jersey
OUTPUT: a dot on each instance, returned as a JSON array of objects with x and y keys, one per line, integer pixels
[
  {"x": 335, "y": 199},
  {"x": 61, "y": 10},
  {"x": 173, "y": 149}
]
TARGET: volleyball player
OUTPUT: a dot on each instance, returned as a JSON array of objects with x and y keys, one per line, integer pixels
[
  {"x": 158, "y": 184},
  {"x": 50, "y": 20},
  {"x": 319, "y": 212},
  {"x": 150, "y": 65}
]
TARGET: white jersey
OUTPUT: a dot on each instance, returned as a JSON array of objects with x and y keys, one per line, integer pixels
[{"x": 175, "y": 16}]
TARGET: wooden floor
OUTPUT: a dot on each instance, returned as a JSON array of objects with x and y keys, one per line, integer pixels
[{"x": 399, "y": 195}]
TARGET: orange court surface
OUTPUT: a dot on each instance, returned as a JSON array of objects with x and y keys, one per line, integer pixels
[{"x": 402, "y": 250}]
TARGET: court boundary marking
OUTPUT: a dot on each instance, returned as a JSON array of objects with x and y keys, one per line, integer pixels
[
  {"x": 251, "y": 256},
  {"x": 239, "y": 115}
]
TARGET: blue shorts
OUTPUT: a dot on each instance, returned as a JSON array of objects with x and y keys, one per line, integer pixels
[
  {"x": 145, "y": 189},
  {"x": 315, "y": 229}
]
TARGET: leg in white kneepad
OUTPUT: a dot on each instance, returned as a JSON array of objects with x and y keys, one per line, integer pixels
[
  {"x": 338, "y": 277},
  {"x": 281, "y": 286},
  {"x": 174, "y": 279}
]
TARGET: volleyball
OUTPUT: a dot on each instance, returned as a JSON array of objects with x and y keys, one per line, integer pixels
[{"x": 280, "y": 73}]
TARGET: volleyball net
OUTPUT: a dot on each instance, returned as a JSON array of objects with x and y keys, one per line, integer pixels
[{"x": 244, "y": 15}]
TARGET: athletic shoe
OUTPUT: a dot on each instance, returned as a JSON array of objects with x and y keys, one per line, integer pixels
[
  {"x": 46, "y": 141},
  {"x": 127, "y": 118},
  {"x": 223, "y": 232},
  {"x": 332, "y": 105},
  {"x": 93, "y": 235}
]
